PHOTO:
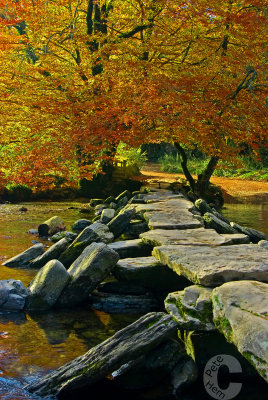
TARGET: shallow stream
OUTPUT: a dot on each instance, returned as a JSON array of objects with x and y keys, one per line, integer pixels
[{"x": 32, "y": 344}]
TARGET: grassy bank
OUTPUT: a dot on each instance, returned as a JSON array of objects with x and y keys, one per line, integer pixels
[{"x": 247, "y": 170}]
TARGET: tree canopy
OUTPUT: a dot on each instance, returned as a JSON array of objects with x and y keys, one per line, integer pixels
[{"x": 79, "y": 76}]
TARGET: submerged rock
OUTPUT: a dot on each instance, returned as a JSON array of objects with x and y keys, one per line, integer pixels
[
  {"x": 117, "y": 287},
  {"x": 191, "y": 308},
  {"x": 240, "y": 313},
  {"x": 124, "y": 303},
  {"x": 23, "y": 259},
  {"x": 47, "y": 286},
  {"x": 87, "y": 272},
  {"x": 13, "y": 295}
]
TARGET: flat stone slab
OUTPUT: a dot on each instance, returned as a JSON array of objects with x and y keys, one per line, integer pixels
[
  {"x": 149, "y": 273},
  {"x": 160, "y": 195},
  {"x": 197, "y": 237},
  {"x": 169, "y": 214},
  {"x": 213, "y": 266},
  {"x": 240, "y": 311}
]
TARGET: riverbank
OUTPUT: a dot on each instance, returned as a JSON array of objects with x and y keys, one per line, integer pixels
[{"x": 234, "y": 190}]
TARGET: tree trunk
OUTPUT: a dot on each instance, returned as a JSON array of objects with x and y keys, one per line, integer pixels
[
  {"x": 203, "y": 179},
  {"x": 186, "y": 171}
]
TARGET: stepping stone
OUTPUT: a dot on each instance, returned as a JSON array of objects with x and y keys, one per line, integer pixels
[
  {"x": 131, "y": 248},
  {"x": 160, "y": 195},
  {"x": 170, "y": 214},
  {"x": 197, "y": 237},
  {"x": 213, "y": 266},
  {"x": 150, "y": 273},
  {"x": 240, "y": 311}
]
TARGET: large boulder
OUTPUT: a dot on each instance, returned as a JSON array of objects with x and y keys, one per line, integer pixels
[
  {"x": 106, "y": 215},
  {"x": 240, "y": 313},
  {"x": 191, "y": 308},
  {"x": 13, "y": 295},
  {"x": 86, "y": 237},
  {"x": 87, "y": 272},
  {"x": 102, "y": 230},
  {"x": 52, "y": 253},
  {"x": 130, "y": 343},
  {"x": 149, "y": 273},
  {"x": 214, "y": 265},
  {"x": 23, "y": 259},
  {"x": 135, "y": 228},
  {"x": 122, "y": 195},
  {"x": 120, "y": 222},
  {"x": 79, "y": 225},
  {"x": 47, "y": 286}
]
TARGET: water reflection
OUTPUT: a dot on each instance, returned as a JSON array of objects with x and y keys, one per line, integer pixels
[
  {"x": 251, "y": 215},
  {"x": 38, "y": 342}
]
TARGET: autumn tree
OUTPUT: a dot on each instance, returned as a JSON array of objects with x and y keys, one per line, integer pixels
[{"x": 79, "y": 76}]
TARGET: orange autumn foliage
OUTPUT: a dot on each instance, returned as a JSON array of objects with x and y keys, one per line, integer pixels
[{"x": 80, "y": 76}]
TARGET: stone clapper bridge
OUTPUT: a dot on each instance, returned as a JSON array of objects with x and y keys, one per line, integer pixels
[{"x": 219, "y": 275}]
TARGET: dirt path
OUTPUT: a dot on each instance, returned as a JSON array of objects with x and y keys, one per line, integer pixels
[{"x": 234, "y": 190}]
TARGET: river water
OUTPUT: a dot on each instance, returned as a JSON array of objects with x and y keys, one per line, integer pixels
[{"x": 31, "y": 344}]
